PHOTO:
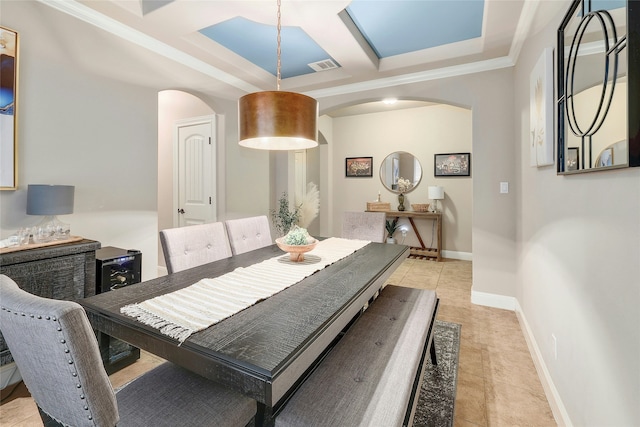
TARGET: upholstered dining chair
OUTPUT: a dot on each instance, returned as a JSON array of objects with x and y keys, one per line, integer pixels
[
  {"x": 57, "y": 354},
  {"x": 247, "y": 234},
  {"x": 193, "y": 245},
  {"x": 364, "y": 226}
]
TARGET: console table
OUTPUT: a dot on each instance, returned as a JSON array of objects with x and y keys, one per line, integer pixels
[
  {"x": 422, "y": 251},
  {"x": 65, "y": 271}
]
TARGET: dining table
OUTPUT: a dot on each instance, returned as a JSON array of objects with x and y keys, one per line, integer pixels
[{"x": 266, "y": 350}]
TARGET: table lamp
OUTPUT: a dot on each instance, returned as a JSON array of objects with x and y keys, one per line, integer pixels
[
  {"x": 436, "y": 193},
  {"x": 50, "y": 200}
]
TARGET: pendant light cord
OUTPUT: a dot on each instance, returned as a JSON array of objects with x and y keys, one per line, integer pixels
[{"x": 279, "y": 27}]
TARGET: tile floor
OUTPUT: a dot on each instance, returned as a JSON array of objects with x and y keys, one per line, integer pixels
[{"x": 497, "y": 381}]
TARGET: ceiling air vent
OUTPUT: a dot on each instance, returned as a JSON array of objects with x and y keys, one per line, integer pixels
[{"x": 324, "y": 65}]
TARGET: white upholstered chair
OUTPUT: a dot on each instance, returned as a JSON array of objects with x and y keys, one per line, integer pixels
[
  {"x": 364, "y": 226},
  {"x": 58, "y": 356},
  {"x": 247, "y": 234},
  {"x": 194, "y": 245}
]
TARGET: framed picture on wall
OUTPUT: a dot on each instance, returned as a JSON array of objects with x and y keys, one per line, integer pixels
[
  {"x": 8, "y": 110},
  {"x": 452, "y": 164},
  {"x": 359, "y": 167},
  {"x": 573, "y": 158}
]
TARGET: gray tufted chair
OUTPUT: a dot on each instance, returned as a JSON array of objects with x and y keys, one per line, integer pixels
[
  {"x": 57, "y": 353},
  {"x": 194, "y": 245},
  {"x": 364, "y": 226},
  {"x": 247, "y": 234}
]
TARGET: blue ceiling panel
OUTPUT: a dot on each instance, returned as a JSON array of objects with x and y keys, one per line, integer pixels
[
  {"x": 149, "y": 6},
  {"x": 402, "y": 26},
  {"x": 607, "y": 4},
  {"x": 258, "y": 44}
]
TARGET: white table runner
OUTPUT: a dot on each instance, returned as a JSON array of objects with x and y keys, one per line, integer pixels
[{"x": 186, "y": 311}]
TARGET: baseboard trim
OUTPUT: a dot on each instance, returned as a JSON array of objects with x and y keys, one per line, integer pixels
[
  {"x": 463, "y": 256},
  {"x": 493, "y": 300},
  {"x": 553, "y": 397}
]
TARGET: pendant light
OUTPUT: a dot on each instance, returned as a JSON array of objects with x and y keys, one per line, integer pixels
[{"x": 278, "y": 120}]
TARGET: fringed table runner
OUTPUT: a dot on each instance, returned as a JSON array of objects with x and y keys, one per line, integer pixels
[{"x": 186, "y": 311}]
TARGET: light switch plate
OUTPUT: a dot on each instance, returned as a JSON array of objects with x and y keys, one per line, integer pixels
[{"x": 504, "y": 187}]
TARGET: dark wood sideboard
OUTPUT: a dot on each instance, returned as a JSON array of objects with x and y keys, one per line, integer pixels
[{"x": 66, "y": 272}]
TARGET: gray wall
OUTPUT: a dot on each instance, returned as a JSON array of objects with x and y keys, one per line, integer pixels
[
  {"x": 578, "y": 267},
  {"x": 423, "y": 132},
  {"x": 492, "y": 131},
  {"x": 565, "y": 250},
  {"x": 79, "y": 127}
]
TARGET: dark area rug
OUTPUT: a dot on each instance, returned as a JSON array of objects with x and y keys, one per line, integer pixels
[{"x": 438, "y": 393}]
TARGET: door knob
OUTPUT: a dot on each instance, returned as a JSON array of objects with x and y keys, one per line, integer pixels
[{"x": 181, "y": 210}]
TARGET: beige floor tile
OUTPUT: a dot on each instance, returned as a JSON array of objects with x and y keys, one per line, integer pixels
[
  {"x": 422, "y": 281},
  {"x": 512, "y": 367},
  {"x": 509, "y": 405},
  {"x": 470, "y": 359},
  {"x": 20, "y": 412},
  {"x": 470, "y": 404},
  {"x": 421, "y": 266},
  {"x": 497, "y": 382},
  {"x": 464, "y": 423}
]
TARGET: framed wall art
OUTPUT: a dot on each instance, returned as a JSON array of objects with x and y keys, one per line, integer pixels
[
  {"x": 8, "y": 110},
  {"x": 453, "y": 164},
  {"x": 358, "y": 167},
  {"x": 573, "y": 159},
  {"x": 541, "y": 111}
]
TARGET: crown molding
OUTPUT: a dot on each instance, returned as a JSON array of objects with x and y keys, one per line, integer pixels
[
  {"x": 86, "y": 14},
  {"x": 90, "y": 16},
  {"x": 421, "y": 76}
]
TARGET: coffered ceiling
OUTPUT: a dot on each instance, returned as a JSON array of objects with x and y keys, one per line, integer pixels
[{"x": 228, "y": 48}]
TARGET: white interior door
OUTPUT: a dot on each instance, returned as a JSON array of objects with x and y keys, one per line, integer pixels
[{"x": 196, "y": 172}]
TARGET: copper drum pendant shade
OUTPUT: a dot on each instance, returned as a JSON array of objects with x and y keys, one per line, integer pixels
[{"x": 278, "y": 120}]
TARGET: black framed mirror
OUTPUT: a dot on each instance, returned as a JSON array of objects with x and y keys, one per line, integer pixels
[
  {"x": 598, "y": 72},
  {"x": 397, "y": 165}
]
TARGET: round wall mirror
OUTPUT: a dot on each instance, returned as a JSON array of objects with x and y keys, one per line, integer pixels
[{"x": 400, "y": 165}]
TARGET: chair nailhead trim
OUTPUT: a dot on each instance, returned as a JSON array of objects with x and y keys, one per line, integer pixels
[{"x": 62, "y": 341}]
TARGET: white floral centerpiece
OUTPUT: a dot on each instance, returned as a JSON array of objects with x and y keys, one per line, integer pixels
[
  {"x": 404, "y": 185},
  {"x": 296, "y": 242},
  {"x": 298, "y": 236}
]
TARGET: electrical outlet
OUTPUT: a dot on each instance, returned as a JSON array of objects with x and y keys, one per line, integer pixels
[{"x": 555, "y": 347}]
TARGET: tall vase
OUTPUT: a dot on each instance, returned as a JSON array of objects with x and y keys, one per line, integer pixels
[{"x": 401, "y": 201}]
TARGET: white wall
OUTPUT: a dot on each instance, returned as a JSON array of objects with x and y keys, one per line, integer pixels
[
  {"x": 566, "y": 247},
  {"x": 578, "y": 272},
  {"x": 173, "y": 105},
  {"x": 490, "y": 98},
  {"x": 422, "y": 132},
  {"x": 81, "y": 128}
]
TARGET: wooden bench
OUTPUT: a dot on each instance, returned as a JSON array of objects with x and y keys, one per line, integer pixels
[{"x": 373, "y": 375}]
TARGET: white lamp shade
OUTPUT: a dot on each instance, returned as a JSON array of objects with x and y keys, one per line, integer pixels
[{"x": 436, "y": 193}]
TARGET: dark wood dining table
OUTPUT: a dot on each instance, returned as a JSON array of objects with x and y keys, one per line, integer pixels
[{"x": 266, "y": 350}]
